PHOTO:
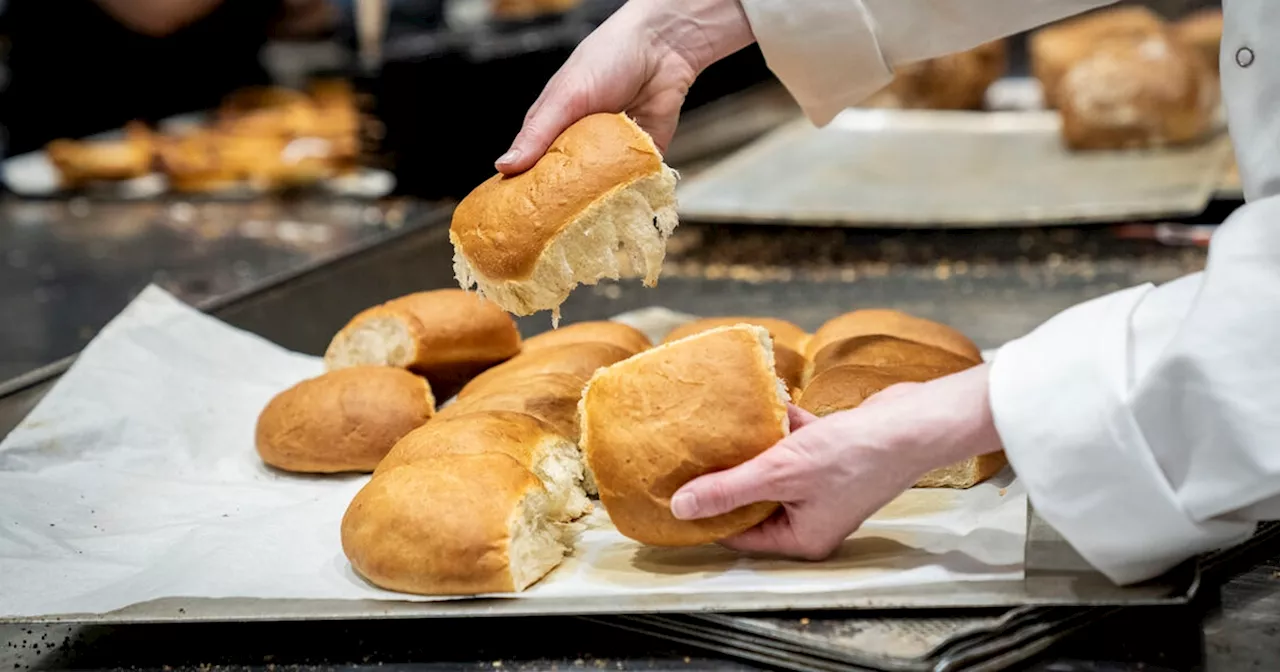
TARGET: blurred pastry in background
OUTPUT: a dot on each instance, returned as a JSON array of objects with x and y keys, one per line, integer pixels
[
  {"x": 1057, "y": 48},
  {"x": 518, "y": 10},
  {"x": 80, "y": 162},
  {"x": 1154, "y": 92},
  {"x": 953, "y": 82},
  {"x": 1202, "y": 31}
]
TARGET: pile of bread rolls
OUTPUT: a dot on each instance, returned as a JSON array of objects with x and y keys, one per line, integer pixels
[
  {"x": 485, "y": 494},
  {"x": 1124, "y": 78}
]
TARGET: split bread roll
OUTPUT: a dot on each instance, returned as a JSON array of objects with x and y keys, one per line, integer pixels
[
  {"x": 447, "y": 335},
  {"x": 622, "y": 335},
  {"x": 342, "y": 421},
  {"x": 881, "y": 322},
  {"x": 843, "y": 387},
  {"x": 789, "y": 343},
  {"x": 1055, "y": 49},
  {"x": 454, "y": 525},
  {"x": 1153, "y": 92},
  {"x": 551, "y": 457},
  {"x": 600, "y": 204},
  {"x": 549, "y": 397},
  {"x": 579, "y": 359},
  {"x": 658, "y": 420}
]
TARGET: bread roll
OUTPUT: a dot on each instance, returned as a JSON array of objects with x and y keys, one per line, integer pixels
[
  {"x": 843, "y": 387},
  {"x": 447, "y": 335},
  {"x": 660, "y": 419},
  {"x": 599, "y": 204},
  {"x": 788, "y": 343},
  {"x": 1202, "y": 31},
  {"x": 880, "y": 322},
  {"x": 951, "y": 82},
  {"x": 549, "y": 397},
  {"x": 343, "y": 420},
  {"x": 622, "y": 335},
  {"x": 453, "y": 525},
  {"x": 580, "y": 359},
  {"x": 1127, "y": 95},
  {"x": 885, "y": 351},
  {"x": 1055, "y": 49},
  {"x": 534, "y": 444}
]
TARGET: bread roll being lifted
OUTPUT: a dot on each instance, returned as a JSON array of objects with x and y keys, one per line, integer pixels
[
  {"x": 789, "y": 343},
  {"x": 662, "y": 418},
  {"x": 599, "y": 204},
  {"x": 447, "y": 335},
  {"x": 622, "y": 335},
  {"x": 535, "y": 445},
  {"x": 454, "y": 525},
  {"x": 342, "y": 421}
]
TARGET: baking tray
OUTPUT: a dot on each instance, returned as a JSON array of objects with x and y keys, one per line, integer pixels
[
  {"x": 317, "y": 300},
  {"x": 929, "y": 169}
]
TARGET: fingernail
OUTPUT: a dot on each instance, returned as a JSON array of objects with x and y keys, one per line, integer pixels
[
  {"x": 510, "y": 157},
  {"x": 684, "y": 505}
]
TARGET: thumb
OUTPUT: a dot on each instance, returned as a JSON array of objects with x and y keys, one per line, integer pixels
[
  {"x": 553, "y": 112},
  {"x": 724, "y": 491}
]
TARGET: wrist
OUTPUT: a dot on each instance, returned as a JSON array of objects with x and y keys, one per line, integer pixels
[
  {"x": 948, "y": 420},
  {"x": 700, "y": 32}
]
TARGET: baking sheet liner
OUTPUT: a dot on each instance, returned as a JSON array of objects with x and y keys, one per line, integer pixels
[{"x": 136, "y": 479}]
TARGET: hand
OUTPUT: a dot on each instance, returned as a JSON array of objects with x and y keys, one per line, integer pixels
[
  {"x": 641, "y": 61},
  {"x": 831, "y": 474}
]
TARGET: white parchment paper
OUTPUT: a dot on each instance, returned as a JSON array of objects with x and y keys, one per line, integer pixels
[{"x": 136, "y": 478}]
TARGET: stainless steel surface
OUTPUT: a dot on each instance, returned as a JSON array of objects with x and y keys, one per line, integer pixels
[
  {"x": 921, "y": 168},
  {"x": 67, "y": 267}
]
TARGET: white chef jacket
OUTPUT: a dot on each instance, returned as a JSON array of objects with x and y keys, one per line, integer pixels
[{"x": 1145, "y": 423}]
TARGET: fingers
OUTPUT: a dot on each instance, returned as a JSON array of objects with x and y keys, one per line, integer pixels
[
  {"x": 799, "y": 417},
  {"x": 779, "y": 536},
  {"x": 714, "y": 494},
  {"x": 555, "y": 110}
]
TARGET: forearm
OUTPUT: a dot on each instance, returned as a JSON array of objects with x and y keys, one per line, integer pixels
[
  {"x": 157, "y": 18},
  {"x": 701, "y": 31}
]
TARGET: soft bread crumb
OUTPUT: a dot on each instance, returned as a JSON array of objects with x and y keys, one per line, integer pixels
[
  {"x": 560, "y": 469},
  {"x": 536, "y": 545},
  {"x": 375, "y": 341},
  {"x": 621, "y": 235}
]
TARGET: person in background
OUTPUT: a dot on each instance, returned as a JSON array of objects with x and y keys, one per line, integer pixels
[
  {"x": 1143, "y": 423},
  {"x": 78, "y": 67}
]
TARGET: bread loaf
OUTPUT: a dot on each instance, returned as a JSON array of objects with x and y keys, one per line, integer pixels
[
  {"x": 880, "y": 322},
  {"x": 600, "y": 204},
  {"x": 844, "y": 387},
  {"x": 789, "y": 343},
  {"x": 549, "y": 397},
  {"x": 579, "y": 359},
  {"x": 622, "y": 335},
  {"x": 447, "y": 335},
  {"x": 951, "y": 82},
  {"x": 342, "y": 421},
  {"x": 1055, "y": 49},
  {"x": 1202, "y": 31},
  {"x": 885, "y": 351},
  {"x": 1152, "y": 92},
  {"x": 454, "y": 525},
  {"x": 687, "y": 408},
  {"x": 534, "y": 444}
]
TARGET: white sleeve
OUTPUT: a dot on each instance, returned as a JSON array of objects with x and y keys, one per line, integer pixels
[
  {"x": 833, "y": 54},
  {"x": 1145, "y": 423}
]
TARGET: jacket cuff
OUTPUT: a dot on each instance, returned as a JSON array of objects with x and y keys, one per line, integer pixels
[
  {"x": 825, "y": 53},
  {"x": 1059, "y": 400}
]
